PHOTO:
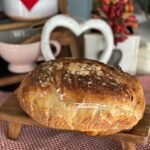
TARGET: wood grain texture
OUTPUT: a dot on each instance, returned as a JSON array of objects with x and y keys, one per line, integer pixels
[
  {"x": 11, "y": 80},
  {"x": 74, "y": 48},
  {"x": 17, "y": 25},
  {"x": 14, "y": 130},
  {"x": 128, "y": 146},
  {"x": 63, "y": 6},
  {"x": 34, "y": 38}
]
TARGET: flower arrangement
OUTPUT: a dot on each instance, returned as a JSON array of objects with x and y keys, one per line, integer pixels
[{"x": 119, "y": 14}]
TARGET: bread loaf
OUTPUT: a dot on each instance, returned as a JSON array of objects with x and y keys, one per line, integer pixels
[{"x": 82, "y": 95}]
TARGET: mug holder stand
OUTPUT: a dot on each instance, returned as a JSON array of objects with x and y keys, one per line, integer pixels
[{"x": 63, "y": 36}]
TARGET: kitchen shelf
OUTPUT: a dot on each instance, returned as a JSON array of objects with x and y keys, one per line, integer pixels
[{"x": 63, "y": 36}]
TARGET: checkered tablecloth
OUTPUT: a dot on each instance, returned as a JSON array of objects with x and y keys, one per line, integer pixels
[{"x": 36, "y": 138}]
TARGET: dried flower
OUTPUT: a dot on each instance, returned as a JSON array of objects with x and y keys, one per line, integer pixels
[{"x": 119, "y": 14}]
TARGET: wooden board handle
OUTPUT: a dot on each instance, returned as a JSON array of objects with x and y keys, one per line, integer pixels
[
  {"x": 18, "y": 25},
  {"x": 14, "y": 130},
  {"x": 32, "y": 39},
  {"x": 11, "y": 80}
]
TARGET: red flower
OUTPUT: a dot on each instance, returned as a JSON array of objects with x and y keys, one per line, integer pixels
[
  {"x": 106, "y": 1},
  {"x": 119, "y": 15}
]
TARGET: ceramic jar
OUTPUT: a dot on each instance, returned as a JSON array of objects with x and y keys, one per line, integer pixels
[{"x": 30, "y": 10}]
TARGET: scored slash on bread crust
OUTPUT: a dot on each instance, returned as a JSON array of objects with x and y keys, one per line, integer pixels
[{"x": 83, "y": 95}]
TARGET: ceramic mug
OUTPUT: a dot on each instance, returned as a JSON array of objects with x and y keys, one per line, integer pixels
[
  {"x": 77, "y": 29},
  {"x": 22, "y": 57},
  {"x": 57, "y": 49},
  {"x": 31, "y": 9}
]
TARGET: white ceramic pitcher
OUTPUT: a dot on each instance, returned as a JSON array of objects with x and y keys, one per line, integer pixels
[{"x": 77, "y": 29}]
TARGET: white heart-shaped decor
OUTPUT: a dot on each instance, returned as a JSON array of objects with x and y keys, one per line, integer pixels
[{"x": 77, "y": 29}]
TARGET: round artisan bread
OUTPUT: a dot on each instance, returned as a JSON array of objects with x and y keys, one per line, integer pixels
[{"x": 82, "y": 95}]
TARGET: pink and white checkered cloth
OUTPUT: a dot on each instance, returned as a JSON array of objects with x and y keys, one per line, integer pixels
[{"x": 36, "y": 138}]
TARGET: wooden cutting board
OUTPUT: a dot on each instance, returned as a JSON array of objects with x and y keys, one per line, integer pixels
[{"x": 10, "y": 111}]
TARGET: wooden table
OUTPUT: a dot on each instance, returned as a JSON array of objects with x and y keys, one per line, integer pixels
[{"x": 11, "y": 112}]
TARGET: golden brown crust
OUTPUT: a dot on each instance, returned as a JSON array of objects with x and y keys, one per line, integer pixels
[{"x": 83, "y": 95}]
